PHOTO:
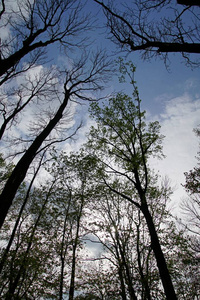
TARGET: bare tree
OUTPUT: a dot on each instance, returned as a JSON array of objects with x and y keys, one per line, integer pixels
[
  {"x": 30, "y": 27},
  {"x": 155, "y": 28},
  {"x": 80, "y": 83},
  {"x": 34, "y": 89}
]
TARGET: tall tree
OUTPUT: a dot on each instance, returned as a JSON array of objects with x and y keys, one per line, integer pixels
[{"x": 125, "y": 143}]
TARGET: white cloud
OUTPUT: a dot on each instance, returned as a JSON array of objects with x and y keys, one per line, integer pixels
[
  {"x": 81, "y": 137},
  {"x": 180, "y": 117}
]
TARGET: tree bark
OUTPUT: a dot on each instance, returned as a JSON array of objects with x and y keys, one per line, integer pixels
[{"x": 19, "y": 172}]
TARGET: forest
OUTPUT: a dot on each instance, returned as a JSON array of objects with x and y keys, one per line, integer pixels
[{"x": 96, "y": 221}]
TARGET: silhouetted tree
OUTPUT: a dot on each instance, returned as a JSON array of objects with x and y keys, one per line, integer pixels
[{"x": 155, "y": 28}]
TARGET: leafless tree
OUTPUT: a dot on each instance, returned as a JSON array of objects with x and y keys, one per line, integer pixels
[
  {"x": 28, "y": 28},
  {"x": 34, "y": 89},
  {"x": 155, "y": 28}
]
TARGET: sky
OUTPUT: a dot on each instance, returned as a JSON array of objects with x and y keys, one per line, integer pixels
[{"x": 171, "y": 96}]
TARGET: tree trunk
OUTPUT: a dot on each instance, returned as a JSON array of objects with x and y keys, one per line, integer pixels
[
  {"x": 144, "y": 280},
  {"x": 3, "y": 259},
  {"x": 121, "y": 278},
  {"x": 160, "y": 259},
  {"x": 22, "y": 166},
  {"x": 10, "y": 62},
  {"x": 75, "y": 245},
  {"x": 64, "y": 248},
  {"x": 127, "y": 270}
]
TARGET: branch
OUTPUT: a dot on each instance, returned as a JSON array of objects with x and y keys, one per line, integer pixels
[
  {"x": 189, "y": 2},
  {"x": 122, "y": 195}
]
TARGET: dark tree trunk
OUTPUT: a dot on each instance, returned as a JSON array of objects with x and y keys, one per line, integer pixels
[
  {"x": 121, "y": 278},
  {"x": 160, "y": 259},
  {"x": 10, "y": 62},
  {"x": 144, "y": 280},
  {"x": 64, "y": 248},
  {"x": 22, "y": 166},
  {"x": 75, "y": 245},
  {"x": 72, "y": 281},
  {"x": 61, "y": 278},
  {"x": 127, "y": 270},
  {"x": 3, "y": 259}
]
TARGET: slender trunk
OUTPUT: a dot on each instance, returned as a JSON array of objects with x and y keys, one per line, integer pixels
[
  {"x": 72, "y": 282},
  {"x": 144, "y": 280},
  {"x": 61, "y": 278},
  {"x": 22, "y": 269},
  {"x": 22, "y": 166},
  {"x": 120, "y": 273},
  {"x": 64, "y": 249},
  {"x": 160, "y": 259},
  {"x": 121, "y": 278},
  {"x": 128, "y": 275}
]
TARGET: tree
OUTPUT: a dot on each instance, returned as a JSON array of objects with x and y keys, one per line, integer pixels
[
  {"x": 191, "y": 205},
  {"x": 192, "y": 177},
  {"x": 32, "y": 27},
  {"x": 155, "y": 28},
  {"x": 78, "y": 82},
  {"x": 122, "y": 230},
  {"x": 98, "y": 281},
  {"x": 115, "y": 226},
  {"x": 124, "y": 143}
]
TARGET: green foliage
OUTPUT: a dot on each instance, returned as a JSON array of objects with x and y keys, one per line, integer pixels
[{"x": 122, "y": 139}]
